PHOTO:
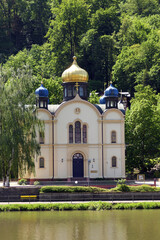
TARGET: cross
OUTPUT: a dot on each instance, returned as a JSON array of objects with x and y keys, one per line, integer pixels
[{"x": 77, "y": 85}]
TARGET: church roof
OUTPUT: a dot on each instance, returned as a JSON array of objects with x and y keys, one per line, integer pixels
[{"x": 52, "y": 108}]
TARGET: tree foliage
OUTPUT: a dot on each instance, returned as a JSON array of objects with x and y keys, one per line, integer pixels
[
  {"x": 140, "y": 7},
  {"x": 38, "y": 60},
  {"x": 93, "y": 98},
  {"x": 143, "y": 129},
  {"x": 19, "y": 122},
  {"x": 22, "y": 24},
  {"x": 139, "y": 64},
  {"x": 69, "y": 22}
]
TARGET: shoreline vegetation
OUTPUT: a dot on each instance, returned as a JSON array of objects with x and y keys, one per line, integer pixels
[{"x": 92, "y": 206}]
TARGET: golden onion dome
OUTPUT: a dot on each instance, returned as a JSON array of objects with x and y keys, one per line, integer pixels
[{"x": 75, "y": 73}]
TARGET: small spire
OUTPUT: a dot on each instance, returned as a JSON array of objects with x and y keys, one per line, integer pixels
[{"x": 74, "y": 60}]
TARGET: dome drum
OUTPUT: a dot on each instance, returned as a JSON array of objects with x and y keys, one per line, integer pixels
[
  {"x": 70, "y": 91},
  {"x": 111, "y": 102}
]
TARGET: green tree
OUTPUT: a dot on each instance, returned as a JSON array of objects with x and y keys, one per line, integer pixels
[
  {"x": 142, "y": 130},
  {"x": 93, "y": 97},
  {"x": 99, "y": 56},
  {"x": 19, "y": 123},
  {"x": 99, "y": 47},
  {"x": 38, "y": 60},
  {"x": 55, "y": 89},
  {"x": 22, "y": 24},
  {"x": 139, "y": 64},
  {"x": 133, "y": 30},
  {"x": 70, "y": 21},
  {"x": 140, "y": 7}
]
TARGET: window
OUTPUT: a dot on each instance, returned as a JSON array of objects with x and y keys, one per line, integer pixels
[
  {"x": 70, "y": 134},
  {"x": 69, "y": 91},
  {"x": 41, "y": 138},
  {"x": 41, "y": 162},
  {"x": 41, "y": 104},
  {"x": 77, "y": 132},
  {"x": 65, "y": 92},
  {"x": 113, "y": 137},
  {"x": 84, "y": 134},
  {"x": 81, "y": 92},
  {"x": 114, "y": 161}
]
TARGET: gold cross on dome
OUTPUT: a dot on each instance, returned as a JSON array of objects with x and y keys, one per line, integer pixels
[{"x": 77, "y": 85}]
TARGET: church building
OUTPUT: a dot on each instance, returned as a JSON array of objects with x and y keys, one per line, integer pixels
[{"x": 80, "y": 139}]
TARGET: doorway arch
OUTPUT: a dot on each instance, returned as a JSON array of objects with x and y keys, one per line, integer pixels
[{"x": 78, "y": 165}]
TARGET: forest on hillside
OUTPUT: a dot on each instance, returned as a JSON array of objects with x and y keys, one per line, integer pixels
[{"x": 116, "y": 40}]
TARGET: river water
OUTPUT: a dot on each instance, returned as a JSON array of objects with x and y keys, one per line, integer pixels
[{"x": 81, "y": 225}]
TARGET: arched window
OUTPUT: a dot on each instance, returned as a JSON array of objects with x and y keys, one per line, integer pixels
[
  {"x": 113, "y": 137},
  {"x": 41, "y": 162},
  {"x": 70, "y": 133},
  {"x": 41, "y": 138},
  {"x": 114, "y": 161},
  {"x": 77, "y": 132},
  {"x": 84, "y": 134}
]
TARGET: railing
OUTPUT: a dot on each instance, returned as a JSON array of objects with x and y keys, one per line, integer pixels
[{"x": 62, "y": 197}]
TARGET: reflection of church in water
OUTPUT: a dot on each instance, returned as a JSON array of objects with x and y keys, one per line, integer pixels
[{"x": 80, "y": 138}]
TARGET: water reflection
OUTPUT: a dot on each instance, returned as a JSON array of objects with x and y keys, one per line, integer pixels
[{"x": 81, "y": 225}]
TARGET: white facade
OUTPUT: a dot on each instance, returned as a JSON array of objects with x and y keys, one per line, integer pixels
[{"x": 103, "y": 136}]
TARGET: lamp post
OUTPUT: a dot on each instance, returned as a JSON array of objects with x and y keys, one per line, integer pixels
[{"x": 89, "y": 161}]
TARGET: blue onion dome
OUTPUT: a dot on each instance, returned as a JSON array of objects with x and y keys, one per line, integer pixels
[
  {"x": 102, "y": 100},
  {"x": 42, "y": 91},
  {"x": 111, "y": 91}
]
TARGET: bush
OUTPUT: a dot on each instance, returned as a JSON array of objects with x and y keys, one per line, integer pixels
[
  {"x": 143, "y": 188},
  {"x": 121, "y": 188},
  {"x": 68, "y": 189},
  {"x": 36, "y": 183},
  {"x": 121, "y": 181},
  {"x": 22, "y": 181}
]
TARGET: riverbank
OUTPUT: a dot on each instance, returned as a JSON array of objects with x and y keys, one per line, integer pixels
[{"x": 78, "y": 206}]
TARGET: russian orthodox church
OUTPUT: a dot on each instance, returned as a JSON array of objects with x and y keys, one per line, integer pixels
[{"x": 80, "y": 139}]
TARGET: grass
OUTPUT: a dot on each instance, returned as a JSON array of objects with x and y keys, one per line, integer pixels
[{"x": 94, "y": 206}]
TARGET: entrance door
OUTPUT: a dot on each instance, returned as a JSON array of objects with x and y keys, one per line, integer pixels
[{"x": 78, "y": 165}]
